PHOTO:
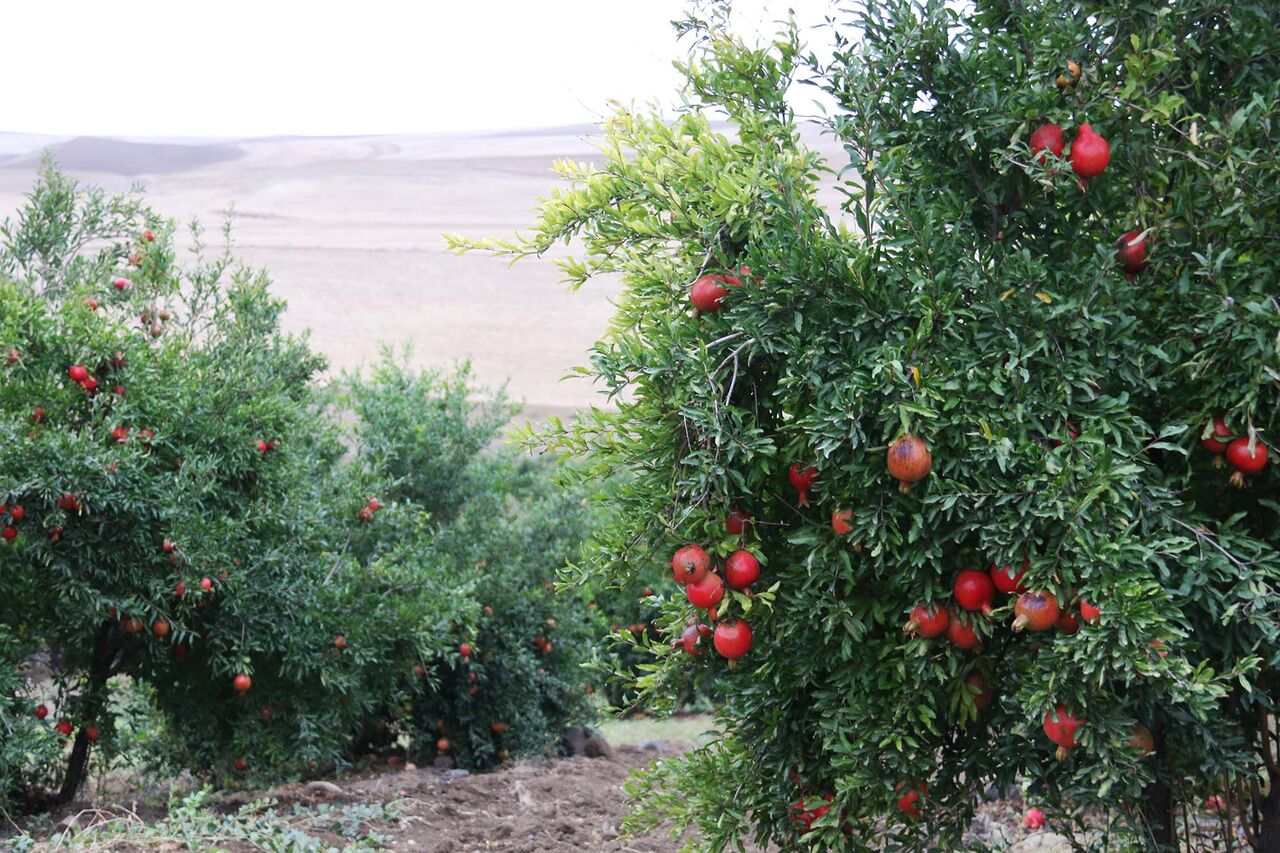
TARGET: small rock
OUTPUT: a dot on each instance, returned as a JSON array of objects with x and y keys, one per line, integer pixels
[
  {"x": 409, "y": 765},
  {"x": 322, "y": 787},
  {"x": 653, "y": 746},
  {"x": 452, "y": 775},
  {"x": 597, "y": 747},
  {"x": 443, "y": 762}
]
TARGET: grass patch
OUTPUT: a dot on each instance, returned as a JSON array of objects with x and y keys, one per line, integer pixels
[{"x": 693, "y": 728}]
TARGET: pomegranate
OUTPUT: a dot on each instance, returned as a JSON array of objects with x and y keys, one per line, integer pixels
[
  {"x": 973, "y": 590},
  {"x": 909, "y": 803},
  {"x": 240, "y": 765},
  {"x": 180, "y": 590},
  {"x": 1035, "y": 611},
  {"x": 1046, "y": 138},
  {"x": 981, "y": 694},
  {"x": 1034, "y": 819},
  {"x": 121, "y": 283},
  {"x": 13, "y": 357},
  {"x": 8, "y": 534},
  {"x": 1067, "y": 622},
  {"x": 1004, "y": 579},
  {"x": 1215, "y": 803},
  {"x": 1088, "y": 612},
  {"x": 206, "y": 584},
  {"x": 91, "y": 734},
  {"x": 909, "y": 460},
  {"x": 1217, "y": 435},
  {"x": 78, "y": 373},
  {"x": 242, "y": 683},
  {"x": 691, "y": 636},
  {"x": 39, "y": 415},
  {"x": 802, "y": 479},
  {"x": 340, "y": 642},
  {"x": 148, "y": 236},
  {"x": 120, "y": 434},
  {"x": 1244, "y": 459},
  {"x": 1060, "y": 727},
  {"x": 690, "y": 564},
  {"x": 741, "y": 570},
  {"x": 1142, "y": 740},
  {"x": 41, "y": 712},
  {"x": 840, "y": 521},
  {"x": 64, "y": 728},
  {"x": 708, "y": 291},
  {"x": 705, "y": 593},
  {"x": 160, "y": 628},
  {"x": 498, "y": 728},
  {"x": 1131, "y": 251},
  {"x": 89, "y": 385},
  {"x": 803, "y": 818},
  {"x": 465, "y": 650},
  {"x": 732, "y": 638},
  {"x": 1090, "y": 153},
  {"x": 961, "y": 633},
  {"x": 736, "y": 522},
  {"x": 927, "y": 621}
]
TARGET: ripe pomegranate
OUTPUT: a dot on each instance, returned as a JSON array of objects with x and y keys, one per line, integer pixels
[
  {"x": 1218, "y": 437},
  {"x": 160, "y": 628},
  {"x": 1067, "y": 622},
  {"x": 1060, "y": 727},
  {"x": 705, "y": 593},
  {"x": 927, "y": 621},
  {"x": 1215, "y": 803},
  {"x": 708, "y": 291},
  {"x": 121, "y": 283},
  {"x": 242, "y": 683},
  {"x": 1035, "y": 611},
  {"x": 148, "y": 236},
  {"x": 498, "y": 728},
  {"x": 340, "y": 642},
  {"x": 1046, "y": 138},
  {"x": 973, "y": 590},
  {"x": 41, "y": 712},
  {"x": 13, "y": 357},
  {"x": 78, "y": 373},
  {"x": 1034, "y": 819},
  {"x": 263, "y": 445},
  {"x": 91, "y": 734},
  {"x": 90, "y": 385},
  {"x": 690, "y": 637},
  {"x": 732, "y": 638},
  {"x": 981, "y": 694},
  {"x": 240, "y": 765},
  {"x": 442, "y": 745},
  {"x": 802, "y": 479},
  {"x": 840, "y": 521},
  {"x": 1006, "y": 580},
  {"x": 909, "y": 461},
  {"x": 1245, "y": 460},
  {"x": 465, "y": 650},
  {"x": 365, "y": 514},
  {"x": 1090, "y": 153},
  {"x": 909, "y": 803},
  {"x": 38, "y": 415},
  {"x": 741, "y": 570},
  {"x": 64, "y": 728},
  {"x": 962, "y": 633},
  {"x": 1088, "y": 612},
  {"x": 168, "y": 546},
  {"x": 419, "y": 671},
  {"x": 91, "y": 303},
  {"x": 1142, "y": 740},
  {"x": 690, "y": 564},
  {"x": 736, "y": 522},
  {"x": 206, "y": 584},
  {"x": 1131, "y": 251},
  {"x": 120, "y": 434},
  {"x": 180, "y": 590},
  {"x": 8, "y": 534}
]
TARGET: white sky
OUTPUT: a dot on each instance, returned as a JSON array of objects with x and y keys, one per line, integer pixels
[{"x": 265, "y": 67}]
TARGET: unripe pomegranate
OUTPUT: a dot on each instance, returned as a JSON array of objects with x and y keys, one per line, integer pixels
[
  {"x": 1141, "y": 739},
  {"x": 732, "y": 638},
  {"x": 909, "y": 460},
  {"x": 961, "y": 632},
  {"x": 909, "y": 803},
  {"x": 1131, "y": 251},
  {"x": 1006, "y": 580},
  {"x": 973, "y": 590},
  {"x": 708, "y": 291},
  {"x": 1034, "y": 819},
  {"x": 1219, "y": 437},
  {"x": 927, "y": 621},
  {"x": 1046, "y": 138},
  {"x": 242, "y": 683},
  {"x": 691, "y": 636},
  {"x": 840, "y": 521},
  {"x": 465, "y": 650},
  {"x": 706, "y": 593},
  {"x": 78, "y": 373},
  {"x": 690, "y": 564},
  {"x": 1090, "y": 153},
  {"x": 1060, "y": 727},
  {"x": 802, "y": 479},
  {"x": 741, "y": 570},
  {"x": 981, "y": 694},
  {"x": 1244, "y": 459},
  {"x": 736, "y": 522},
  {"x": 1035, "y": 611},
  {"x": 41, "y": 712}
]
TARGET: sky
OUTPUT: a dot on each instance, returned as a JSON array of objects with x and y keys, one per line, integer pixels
[{"x": 165, "y": 68}]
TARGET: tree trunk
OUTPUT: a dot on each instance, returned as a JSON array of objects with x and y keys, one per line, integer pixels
[
  {"x": 1159, "y": 807},
  {"x": 1269, "y": 835},
  {"x": 92, "y": 704}
]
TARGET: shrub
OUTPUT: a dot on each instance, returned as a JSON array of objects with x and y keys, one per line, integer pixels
[{"x": 972, "y": 297}]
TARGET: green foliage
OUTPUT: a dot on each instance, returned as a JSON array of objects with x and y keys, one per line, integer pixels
[{"x": 969, "y": 293}]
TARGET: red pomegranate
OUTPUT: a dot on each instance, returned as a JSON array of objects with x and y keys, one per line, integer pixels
[
  {"x": 242, "y": 683},
  {"x": 1216, "y": 437},
  {"x": 927, "y": 621},
  {"x": 981, "y": 694},
  {"x": 1034, "y": 819},
  {"x": 705, "y": 593},
  {"x": 1035, "y": 611},
  {"x": 78, "y": 373},
  {"x": 803, "y": 819},
  {"x": 973, "y": 590},
  {"x": 1060, "y": 727},
  {"x": 1046, "y": 138},
  {"x": 1142, "y": 740},
  {"x": 708, "y": 291},
  {"x": 91, "y": 734},
  {"x": 8, "y": 534},
  {"x": 1244, "y": 459},
  {"x": 160, "y": 628},
  {"x": 690, "y": 564},
  {"x": 840, "y": 521},
  {"x": 1090, "y": 153},
  {"x": 691, "y": 636},
  {"x": 1131, "y": 251},
  {"x": 962, "y": 633},
  {"x": 733, "y": 638},
  {"x": 41, "y": 712},
  {"x": 464, "y": 650},
  {"x": 240, "y": 765},
  {"x": 1067, "y": 622},
  {"x": 1006, "y": 580},
  {"x": 741, "y": 570},
  {"x": 802, "y": 479},
  {"x": 909, "y": 803},
  {"x": 64, "y": 728},
  {"x": 736, "y": 522},
  {"x": 909, "y": 460},
  {"x": 121, "y": 283},
  {"x": 1088, "y": 612}
]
